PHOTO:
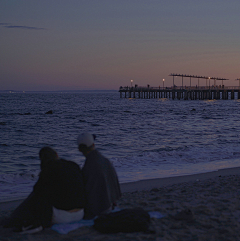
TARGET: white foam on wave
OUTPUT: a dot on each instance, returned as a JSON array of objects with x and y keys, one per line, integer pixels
[
  {"x": 146, "y": 165},
  {"x": 175, "y": 163},
  {"x": 188, "y": 155}
]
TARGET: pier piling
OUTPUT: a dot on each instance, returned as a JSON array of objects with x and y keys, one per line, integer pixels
[{"x": 186, "y": 93}]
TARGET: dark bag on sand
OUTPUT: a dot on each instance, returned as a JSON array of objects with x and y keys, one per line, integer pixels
[{"x": 126, "y": 220}]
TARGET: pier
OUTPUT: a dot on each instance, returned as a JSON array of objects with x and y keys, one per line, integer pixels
[
  {"x": 208, "y": 92},
  {"x": 187, "y": 93}
]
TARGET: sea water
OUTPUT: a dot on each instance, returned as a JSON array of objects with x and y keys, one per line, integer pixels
[{"x": 143, "y": 138}]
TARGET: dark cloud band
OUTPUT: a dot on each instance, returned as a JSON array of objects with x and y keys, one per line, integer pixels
[{"x": 7, "y": 25}]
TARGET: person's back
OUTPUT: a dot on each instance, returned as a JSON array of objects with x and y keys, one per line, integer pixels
[
  {"x": 101, "y": 184},
  {"x": 62, "y": 182},
  {"x": 102, "y": 187}
]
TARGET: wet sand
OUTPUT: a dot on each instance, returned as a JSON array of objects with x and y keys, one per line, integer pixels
[{"x": 196, "y": 207}]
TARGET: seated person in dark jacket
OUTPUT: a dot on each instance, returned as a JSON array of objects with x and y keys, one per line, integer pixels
[
  {"x": 102, "y": 188},
  {"x": 57, "y": 197}
]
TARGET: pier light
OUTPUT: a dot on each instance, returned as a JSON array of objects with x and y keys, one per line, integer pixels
[
  {"x": 131, "y": 82},
  {"x": 163, "y": 82},
  {"x": 209, "y": 81}
]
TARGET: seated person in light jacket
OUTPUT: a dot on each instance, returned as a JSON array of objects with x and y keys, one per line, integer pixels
[{"x": 102, "y": 188}]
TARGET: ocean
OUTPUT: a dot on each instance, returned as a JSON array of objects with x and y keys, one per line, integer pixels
[{"x": 144, "y": 138}]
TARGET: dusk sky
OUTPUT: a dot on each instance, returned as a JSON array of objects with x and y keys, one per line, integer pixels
[{"x": 90, "y": 44}]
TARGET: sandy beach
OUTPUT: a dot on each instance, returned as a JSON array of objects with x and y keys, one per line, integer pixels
[{"x": 196, "y": 207}]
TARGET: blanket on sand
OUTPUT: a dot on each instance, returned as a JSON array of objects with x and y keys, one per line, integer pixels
[{"x": 65, "y": 228}]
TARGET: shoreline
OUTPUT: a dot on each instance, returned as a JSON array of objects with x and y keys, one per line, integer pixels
[
  {"x": 195, "y": 207},
  {"x": 148, "y": 184}
]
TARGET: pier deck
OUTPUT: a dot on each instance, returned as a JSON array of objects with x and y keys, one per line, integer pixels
[{"x": 185, "y": 93}]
